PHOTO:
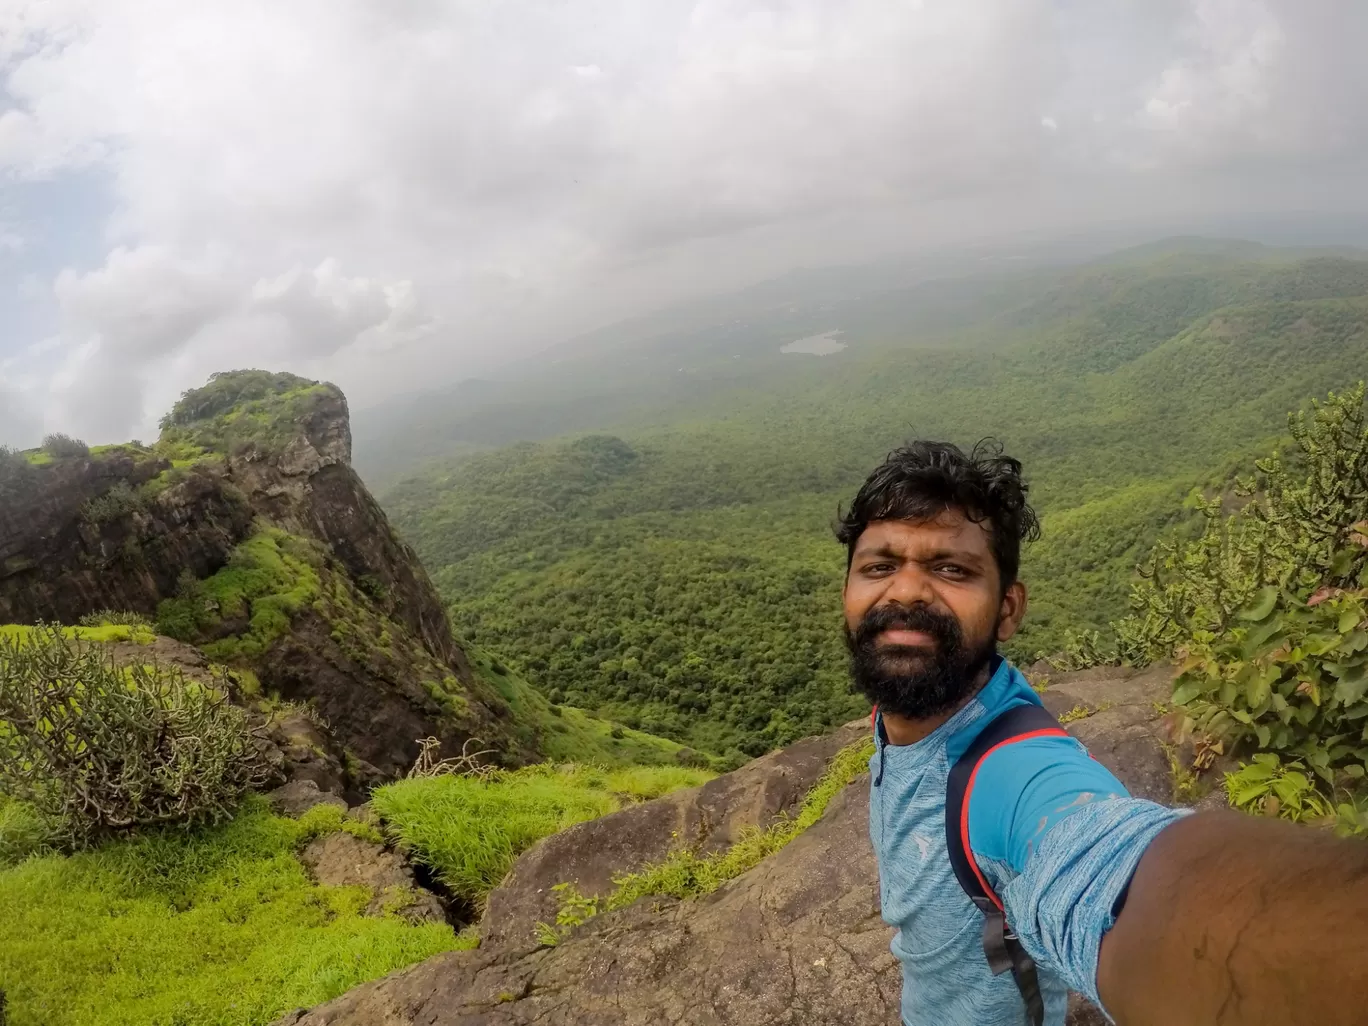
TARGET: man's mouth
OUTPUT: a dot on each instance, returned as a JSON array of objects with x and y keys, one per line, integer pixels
[{"x": 903, "y": 638}]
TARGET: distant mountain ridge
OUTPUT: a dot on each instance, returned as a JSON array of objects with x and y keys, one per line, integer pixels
[{"x": 664, "y": 364}]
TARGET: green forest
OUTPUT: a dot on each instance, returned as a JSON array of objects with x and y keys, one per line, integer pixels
[{"x": 675, "y": 569}]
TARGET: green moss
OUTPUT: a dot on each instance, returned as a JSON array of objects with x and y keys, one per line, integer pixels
[
  {"x": 469, "y": 830},
  {"x": 269, "y": 578},
  {"x": 219, "y": 927}
]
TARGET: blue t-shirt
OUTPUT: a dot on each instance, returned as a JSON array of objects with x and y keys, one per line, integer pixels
[{"x": 1054, "y": 832}]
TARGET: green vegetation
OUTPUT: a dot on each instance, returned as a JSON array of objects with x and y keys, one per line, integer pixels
[
  {"x": 105, "y": 633},
  {"x": 688, "y": 874},
  {"x": 469, "y": 830},
  {"x": 116, "y": 618},
  {"x": 60, "y": 446},
  {"x": 220, "y": 926},
  {"x": 269, "y": 578},
  {"x": 242, "y": 410},
  {"x": 563, "y": 733},
  {"x": 679, "y": 575},
  {"x": 1267, "y": 606},
  {"x": 93, "y": 748}
]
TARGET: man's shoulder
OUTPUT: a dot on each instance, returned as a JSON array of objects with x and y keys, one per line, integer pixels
[{"x": 1023, "y": 789}]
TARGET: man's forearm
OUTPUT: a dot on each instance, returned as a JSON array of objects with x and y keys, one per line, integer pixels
[{"x": 1235, "y": 920}]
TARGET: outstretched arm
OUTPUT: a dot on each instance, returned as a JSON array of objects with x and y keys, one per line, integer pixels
[{"x": 1233, "y": 920}]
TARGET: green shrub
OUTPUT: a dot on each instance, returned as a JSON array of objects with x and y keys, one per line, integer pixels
[
  {"x": 1266, "y": 610},
  {"x": 115, "y": 618},
  {"x": 470, "y": 830},
  {"x": 59, "y": 446},
  {"x": 121, "y": 500},
  {"x": 97, "y": 748}
]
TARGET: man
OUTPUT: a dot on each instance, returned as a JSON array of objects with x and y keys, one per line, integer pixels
[{"x": 1162, "y": 918}]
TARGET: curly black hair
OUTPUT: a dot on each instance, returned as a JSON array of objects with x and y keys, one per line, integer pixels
[{"x": 923, "y": 479}]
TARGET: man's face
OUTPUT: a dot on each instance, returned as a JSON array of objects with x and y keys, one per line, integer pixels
[{"x": 924, "y": 611}]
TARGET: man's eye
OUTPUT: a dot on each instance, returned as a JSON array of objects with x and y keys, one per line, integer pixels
[
  {"x": 952, "y": 569},
  {"x": 880, "y": 568}
]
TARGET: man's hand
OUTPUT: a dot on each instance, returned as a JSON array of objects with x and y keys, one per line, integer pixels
[{"x": 1235, "y": 920}]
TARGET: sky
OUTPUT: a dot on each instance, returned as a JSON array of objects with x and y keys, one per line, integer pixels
[{"x": 392, "y": 195}]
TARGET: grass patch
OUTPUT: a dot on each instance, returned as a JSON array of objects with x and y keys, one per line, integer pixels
[
  {"x": 218, "y": 927},
  {"x": 688, "y": 874},
  {"x": 469, "y": 831}
]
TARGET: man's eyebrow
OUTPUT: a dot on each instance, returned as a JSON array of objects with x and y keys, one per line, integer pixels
[
  {"x": 959, "y": 555},
  {"x": 884, "y": 551}
]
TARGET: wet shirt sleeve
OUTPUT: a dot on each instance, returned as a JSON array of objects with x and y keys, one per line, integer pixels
[{"x": 1059, "y": 839}]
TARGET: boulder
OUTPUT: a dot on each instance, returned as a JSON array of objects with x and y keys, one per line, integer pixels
[
  {"x": 708, "y": 818},
  {"x": 1122, "y": 722},
  {"x": 341, "y": 859},
  {"x": 299, "y": 796}
]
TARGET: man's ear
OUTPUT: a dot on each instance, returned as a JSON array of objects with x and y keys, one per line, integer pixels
[{"x": 1012, "y": 610}]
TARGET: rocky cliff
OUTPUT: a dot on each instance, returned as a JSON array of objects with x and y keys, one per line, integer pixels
[
  {"x": 796, "y": 940},
  {"x": 245, "y": 531}
]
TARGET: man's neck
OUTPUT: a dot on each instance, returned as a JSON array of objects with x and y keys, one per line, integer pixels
[{"x": 908, "y": 730}]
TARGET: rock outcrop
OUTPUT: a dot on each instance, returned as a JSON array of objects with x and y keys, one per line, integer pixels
[
  {"x": 797, "y": 940},
  {"x": 708, "y": 818},
  {"x": 359, "y": 633}
]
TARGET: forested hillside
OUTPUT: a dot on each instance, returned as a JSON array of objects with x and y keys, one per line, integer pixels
[{"x": 677, "y": 571}]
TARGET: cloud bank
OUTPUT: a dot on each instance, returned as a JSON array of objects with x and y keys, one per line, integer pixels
[{"x": 393, "y": 194}]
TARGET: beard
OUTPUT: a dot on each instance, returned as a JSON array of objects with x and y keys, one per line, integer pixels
[{"x": 915, "y": 682}]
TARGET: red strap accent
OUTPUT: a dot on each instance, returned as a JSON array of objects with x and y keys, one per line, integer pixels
[
  {"x": 969, "y": 790},
  {"x": 874, "y": 720}
]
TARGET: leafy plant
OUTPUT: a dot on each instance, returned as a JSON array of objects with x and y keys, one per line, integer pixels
[
  {"x": 1275, "y": 788},
  {"x": 1267, "y": 608},
  {"x": 96, "y": 748},
  {"x": 1083, "y": 650}
]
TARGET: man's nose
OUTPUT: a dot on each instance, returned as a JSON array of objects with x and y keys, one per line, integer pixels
[{"x": 910, "y": 586}]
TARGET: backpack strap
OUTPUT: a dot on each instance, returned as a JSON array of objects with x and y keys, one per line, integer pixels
[{"x": 1000, "y": 944}]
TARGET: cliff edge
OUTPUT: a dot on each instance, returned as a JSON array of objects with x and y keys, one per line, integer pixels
[{"x": 245, "y": 531}]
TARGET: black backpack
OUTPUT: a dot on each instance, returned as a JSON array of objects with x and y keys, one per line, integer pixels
[{"x": 1000, "y": 945}]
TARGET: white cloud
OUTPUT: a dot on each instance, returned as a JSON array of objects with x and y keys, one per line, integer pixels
[{"x": 378, "y": 191}]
